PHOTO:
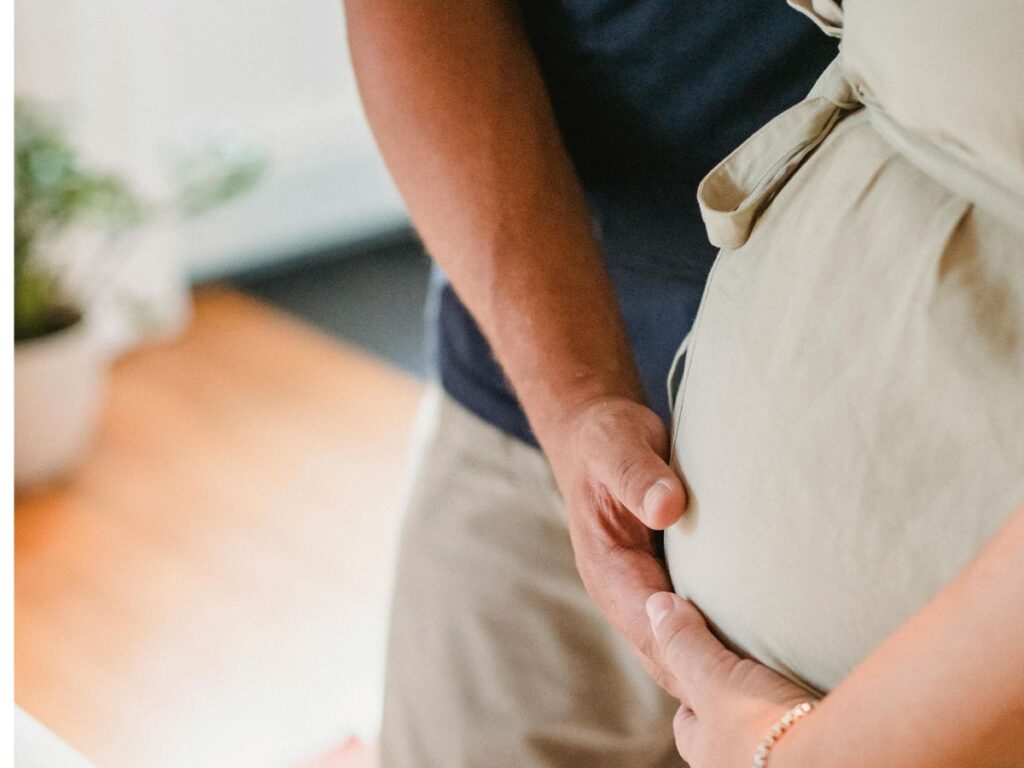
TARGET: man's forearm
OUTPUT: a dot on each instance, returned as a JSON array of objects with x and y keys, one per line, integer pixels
[{"x": 462, "y": 117}]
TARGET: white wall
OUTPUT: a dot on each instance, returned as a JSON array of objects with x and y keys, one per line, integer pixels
[{"x": 137, "y": 77}]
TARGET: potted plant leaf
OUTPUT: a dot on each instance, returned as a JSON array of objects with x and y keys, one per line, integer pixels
[{"x": 60, "y": 366}]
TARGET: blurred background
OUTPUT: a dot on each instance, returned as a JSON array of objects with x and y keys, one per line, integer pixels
[{"x": 218, "y": 359}]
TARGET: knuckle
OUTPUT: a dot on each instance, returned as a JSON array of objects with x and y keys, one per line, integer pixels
[
  {"x": 721, "y": 665},
  {"x": 737, "y": 669},
  {"x": 630, "y": 474},
  {"x": 604, "y": 503},
  {"x": 683, "y": 725},
  {"x": 677, "y": 638},
  {"x": 595, "y": 428}
]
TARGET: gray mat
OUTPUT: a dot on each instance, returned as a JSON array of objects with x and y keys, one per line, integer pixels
[{"x": 370, "y": 294}]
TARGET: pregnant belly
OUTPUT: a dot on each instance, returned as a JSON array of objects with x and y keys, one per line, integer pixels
[
  {"x": 851, "y": 410},
  {"x": 809, "y": 594}
]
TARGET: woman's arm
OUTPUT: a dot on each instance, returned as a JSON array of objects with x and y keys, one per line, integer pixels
[{"x": 945, "y": 691}]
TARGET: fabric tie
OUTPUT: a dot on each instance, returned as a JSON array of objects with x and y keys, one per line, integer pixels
[
  {"x": 738, "y": 189},
  {"x": 735, "y": 193}
]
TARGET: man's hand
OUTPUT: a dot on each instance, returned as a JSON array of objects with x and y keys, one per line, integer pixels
[
  {"x": 496, "y": 199},
  {"x": 609, "y": 460}
]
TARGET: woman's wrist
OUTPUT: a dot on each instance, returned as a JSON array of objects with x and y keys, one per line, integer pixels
[
  {"x": 779, "y": 729},
  {"x": 799, "y": 746}
]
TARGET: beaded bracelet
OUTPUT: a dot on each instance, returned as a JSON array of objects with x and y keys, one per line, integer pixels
[{"x": 781, "y": 725}]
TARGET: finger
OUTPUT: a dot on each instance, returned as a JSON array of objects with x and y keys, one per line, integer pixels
[
  {"x": 617, "y": 564},
  {"x": 686, "y": 646},
  {"x": 633, "y": 470},
  {"x": 684, "y": 727},
  {"x": 657, "y": 673},
  {"x": 628, "y": 577},
  {"x": 659, "y": 676}
]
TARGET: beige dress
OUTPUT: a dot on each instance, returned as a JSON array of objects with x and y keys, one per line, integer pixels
[{"x": 850, "y": 422}]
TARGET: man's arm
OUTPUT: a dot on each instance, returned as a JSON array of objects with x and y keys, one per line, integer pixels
[
  {"x": 462, "y": 117},
  {"x": 460, "y": 111}
]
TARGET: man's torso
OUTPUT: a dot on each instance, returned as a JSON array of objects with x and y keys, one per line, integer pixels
[{"x": 649, "y": 95}]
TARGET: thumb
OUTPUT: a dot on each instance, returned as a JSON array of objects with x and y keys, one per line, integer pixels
[
  {"x": 642, "y": 482},
  {"x": 688, "y": 649}
]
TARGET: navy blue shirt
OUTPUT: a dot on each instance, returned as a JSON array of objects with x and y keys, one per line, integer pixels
[{"x": 649, "y": 95}]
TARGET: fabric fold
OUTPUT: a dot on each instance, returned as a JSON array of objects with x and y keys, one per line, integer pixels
[
  {"x": 733, "y": 195},
  {"x": 827, "y": 14}
]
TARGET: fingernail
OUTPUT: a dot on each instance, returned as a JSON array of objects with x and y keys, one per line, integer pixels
[
  {"x": 653, "y": 497},
  {"x": 658, "y": 606}
]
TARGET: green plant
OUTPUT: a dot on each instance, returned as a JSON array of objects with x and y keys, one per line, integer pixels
[
  {"x": 207, "y": 174},
  {"x": 52, "y": 190}
]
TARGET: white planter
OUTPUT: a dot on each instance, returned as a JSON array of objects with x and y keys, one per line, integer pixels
[{"x": 59, "y": 384}]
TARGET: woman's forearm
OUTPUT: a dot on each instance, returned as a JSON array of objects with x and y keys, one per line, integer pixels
[{"x": 945, "y": 691}]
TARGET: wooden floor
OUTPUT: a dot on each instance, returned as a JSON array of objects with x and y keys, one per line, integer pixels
[{"x": 210, "y": 588}]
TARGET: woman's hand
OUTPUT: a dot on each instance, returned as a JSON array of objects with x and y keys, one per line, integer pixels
[{"x": 728, "y": 704}]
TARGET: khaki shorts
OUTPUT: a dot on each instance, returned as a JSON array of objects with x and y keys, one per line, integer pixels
[{"x": 497, "y": 656}]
